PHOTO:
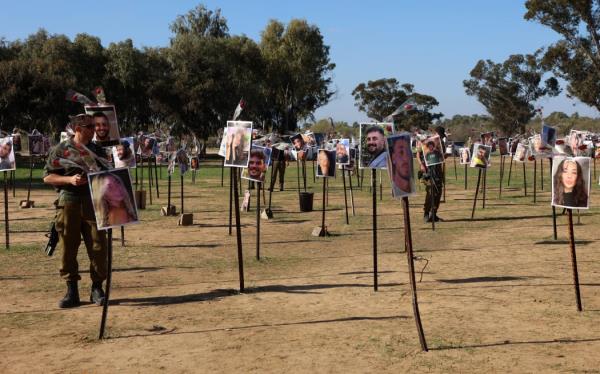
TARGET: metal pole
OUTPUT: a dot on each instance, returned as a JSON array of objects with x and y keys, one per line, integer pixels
[
  {"x": 484, "y": 185},
  {"x": 222, "y": 171},
  {"x": 258, "y": 187},
  {"x": 374, "y": 191},
  {"x": 6, "y": 228},
  {"x": 168, "y": 194},
  {"x": 108, "y": 282},
  {"x": 345, "y": 194},
  {"x": 535, "y": 181},
  {"x": 476, "y": 193},
  {"x": 30, "y": 178},
  {"x": 351, "y": 193},
  {"x": 238, "y": 231},
  {"x": 156, "y": 178},
  {"x": 542, "y": 173},
  {"x": 509, "y": 171},
  {"x": 411, "y": 271},
  {"x": 501, "y": 176},
  {"x": 230, "y": 198},
  {"x": 323, "y": 228},
  {"x": 524, "y": 179},
  {"x": 181, "y": 178},
  {"x": 150, "y": 178},
  {"x": 574, "y": 261}
]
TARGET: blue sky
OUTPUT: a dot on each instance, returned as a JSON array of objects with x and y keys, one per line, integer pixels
[{"x": 431, "y": 44}]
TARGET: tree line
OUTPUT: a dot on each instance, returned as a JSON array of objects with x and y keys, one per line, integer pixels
[{"x": 193, "y": 84}]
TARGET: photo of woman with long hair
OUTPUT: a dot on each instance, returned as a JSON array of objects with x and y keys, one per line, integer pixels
[
  {"x": 112, "y": 197},
  {"x": 238, "y": 144},
  {"x": 570, "y": 182}
]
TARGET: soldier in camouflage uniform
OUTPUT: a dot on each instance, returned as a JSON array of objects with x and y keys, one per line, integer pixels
[{"x": 66, "y": 169}]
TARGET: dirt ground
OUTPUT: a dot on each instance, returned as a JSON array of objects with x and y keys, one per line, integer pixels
[{"x": 496, "y": 295}]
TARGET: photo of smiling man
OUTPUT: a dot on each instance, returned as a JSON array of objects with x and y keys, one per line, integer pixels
[{"x": 257, "y": 164}]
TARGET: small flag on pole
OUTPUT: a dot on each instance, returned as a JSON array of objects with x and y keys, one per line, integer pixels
[{"x": 238, "y": 109}]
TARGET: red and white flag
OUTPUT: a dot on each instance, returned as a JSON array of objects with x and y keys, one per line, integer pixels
[{"x": 238, "y": 109}]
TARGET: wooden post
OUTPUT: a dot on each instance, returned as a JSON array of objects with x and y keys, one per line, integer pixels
[
  {"x": 238, "y": 231},
  {"x": 411, "y": 271},
  {"x": 466, "y": 173},
  {"x": 122, "y": 236},
  {"x": 476, "y": 193},
  {"x": 374, "y": 191},
  {"x": 574, "y": 261},
  {"x": 323, "y": 227},
  {"x": 168, "y": 194},
  {"x": 108, "y": 282}
]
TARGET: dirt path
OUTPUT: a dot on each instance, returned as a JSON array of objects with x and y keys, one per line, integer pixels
[{"x": 496, "y": 296}]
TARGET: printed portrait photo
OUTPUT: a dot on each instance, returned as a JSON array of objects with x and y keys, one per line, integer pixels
[
  {"x": 481, "y": 156},
  {"x": 239, "y": 140},
  {"x": 7, "y": 154},
  {"x": 537, "y": 147},
  {"x": 113, "y": 199},
  {"x": 104, "y": 118},
  {"x": 372, "y": 151},
  {"x": 342, "y": 151},
  {"x": 195, "y": 163},
  {"x": 513, "y": 144},
  {"x": 520, "y": 153},
  {"x": 548, "y": 136},
  {"x": 487, "y": 138},
  {"x": 576, "y": 141},
  {"x": 571, "y": 182},
  {"x": 432, "y": 150},
  {"x": 223, "y": 145},
  {"x": 123, "y": 153},
  {"x": 465, "y": 156},
  {"x": 260, "y": 157},
  {"x": 400, "y": 167},
  {"x": 298, "y": 142},
  {"x": 36, "y": 145},
  {"x": 182, "y": 159},
  {"x": 147, "y": 146},
  {"x": 326, "y": 163}
]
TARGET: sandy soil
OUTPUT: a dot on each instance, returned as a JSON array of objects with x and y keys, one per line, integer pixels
[{"x": 497, "y": 294}]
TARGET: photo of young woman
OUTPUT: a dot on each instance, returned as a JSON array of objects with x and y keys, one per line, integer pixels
[
  {"x": 239, "y": 135},
  {"x": 326, "y": 163},
  {"x": 571, "y": 182},
  {"x": 112, "y": 198}
]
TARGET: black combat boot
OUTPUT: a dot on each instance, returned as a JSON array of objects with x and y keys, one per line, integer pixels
[
  {"x": 71, "y": 299},
  {"x": 97, "y": 295}
]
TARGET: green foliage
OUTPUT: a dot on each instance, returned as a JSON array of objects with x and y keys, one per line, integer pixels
[
  {"x": 194, "y": 84},
  {"x": 341, "y": 128},
  {"x": 576, "y": 57},
  {"x": 508, "y": 90},
  {"x": 297, "y": 72},
  {"x": 380, "y": 98}
]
